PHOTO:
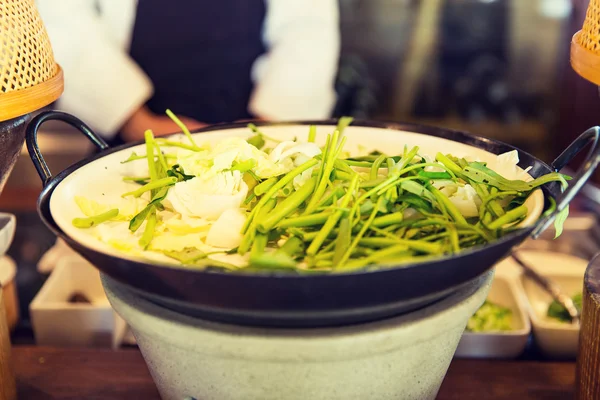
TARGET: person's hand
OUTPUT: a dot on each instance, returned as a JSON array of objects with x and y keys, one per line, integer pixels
[{"x": 144, "y": 119}]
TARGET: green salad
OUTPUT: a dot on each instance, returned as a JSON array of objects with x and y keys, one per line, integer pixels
[
  {"x": 490, "y": 318},
  {"x": 558, "y": 312},
  {"x": 259, "y": 203}
]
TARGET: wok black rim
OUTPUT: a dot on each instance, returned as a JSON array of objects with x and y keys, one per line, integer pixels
[{"x": 480, "y": 142}]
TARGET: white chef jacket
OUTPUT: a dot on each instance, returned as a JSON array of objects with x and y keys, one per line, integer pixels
[{"x": 294, "y": 79}]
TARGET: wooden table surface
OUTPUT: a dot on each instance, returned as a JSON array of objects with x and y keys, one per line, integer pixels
[{"x": 45, "y": 373}]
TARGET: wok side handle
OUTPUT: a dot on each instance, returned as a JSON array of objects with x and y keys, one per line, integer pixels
[
  {"x": 32, "y": 144},
  {"x": 591, "y": 136}
]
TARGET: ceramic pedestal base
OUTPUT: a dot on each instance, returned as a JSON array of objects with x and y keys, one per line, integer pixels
[{"x": 404, "y": 357}]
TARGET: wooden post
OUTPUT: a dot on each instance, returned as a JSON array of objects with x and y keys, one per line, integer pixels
[
  {"x": 8, "y": 390},
  {"x": 587, "y": 379}
]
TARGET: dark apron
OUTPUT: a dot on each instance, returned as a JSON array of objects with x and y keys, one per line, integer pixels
[{"x": 199, "y": 55}]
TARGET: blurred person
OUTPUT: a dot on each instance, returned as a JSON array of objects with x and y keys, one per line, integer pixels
[{"x": 127, "y": 61}]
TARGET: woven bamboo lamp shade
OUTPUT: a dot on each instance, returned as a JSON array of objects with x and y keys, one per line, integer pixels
[
  {"x": 30, "y": 78},
  {"x": 585, "y": 46}
]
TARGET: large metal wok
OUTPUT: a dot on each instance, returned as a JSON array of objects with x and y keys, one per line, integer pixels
[{"x": 278, "y": 299}]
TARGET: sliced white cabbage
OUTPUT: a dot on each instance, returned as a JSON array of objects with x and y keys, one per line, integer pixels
[
  {"x": 275, "y": 153},
  {"x": 416, "y": 159},
  {"x": 211, "y": 161},
  {"x": 128, "y": 207},
  {"x": 244, "y": 150},
  {"x": 208, "y": 198},
  {"x": 135, "y": 167},
  {"x": 446, "y": 186},
  {"x": 172, "y": 242},
  {"x": 265, "y": 168},
  {"x": 224, "y": 160},
  {"x": 466, "y": 200},
  {"x": 186, "y": 225},
  {"x": 430, "y": 159},
  {"x": 292, "y": 154},
  {"x": 233, "y": 259},
  {"x": 237, "y": 149},
  {"x": 118, "y": 235},
  {"x": 226, "y": 231},
  {"x": 289, "y": 149},
  {"x": 90, "y": 207},
  {"x": 222, "y": 157},
  {"x": 300, "y": 180},
  {"x": 232, "y": 150},
  {"x": 505, "y": 164},
  {"x": 197, "y": 163}
]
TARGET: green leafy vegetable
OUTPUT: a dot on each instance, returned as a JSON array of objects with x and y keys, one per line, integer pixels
[
  {"x": 177, "y": 172},
  {"x": 273, "y": 260},
  {"x": 560, "y": 221},
  {"x": 490, "y": 317},
  {"x": 183, "y": 128},
  {"x": 151, "y": 186},
  {"x": 139, "y": 218},
  {"x": 257, "y": 141},
  {"x": 189, "y": 255},
  {"x": 560, "y": 313},
  {"x": 478, "y": 172},
  {"x": 312, "y": 133},
  {"x": 149, "y": 230}
]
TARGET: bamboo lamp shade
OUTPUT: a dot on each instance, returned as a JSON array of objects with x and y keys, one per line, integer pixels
[
  {"x": 585, "y": 46},
  {"x": 30, "y": 78}
]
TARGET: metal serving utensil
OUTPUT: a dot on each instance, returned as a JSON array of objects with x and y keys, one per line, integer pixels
[{"x": 551, "y": 287}]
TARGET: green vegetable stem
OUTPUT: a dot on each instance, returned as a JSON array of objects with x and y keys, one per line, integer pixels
[{"x": 89, "y": 222}]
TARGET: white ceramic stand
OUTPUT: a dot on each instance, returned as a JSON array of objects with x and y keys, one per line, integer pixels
[{"x": 399, "y": 358}]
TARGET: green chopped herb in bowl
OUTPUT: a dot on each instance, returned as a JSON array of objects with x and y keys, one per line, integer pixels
[
  {"x": 490, "y": 317},
  {"x": 557, "y": 312}
]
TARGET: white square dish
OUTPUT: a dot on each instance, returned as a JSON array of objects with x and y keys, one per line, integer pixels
[
  {"x": 58, "y": 322},
  {"x": 555, "y": 339},
  {"x": 503, "y": 344}
]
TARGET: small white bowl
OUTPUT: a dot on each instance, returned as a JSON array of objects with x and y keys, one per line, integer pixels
[
  {"x": 555, "y": 339},
  {"x": 505, "y": 344}
]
